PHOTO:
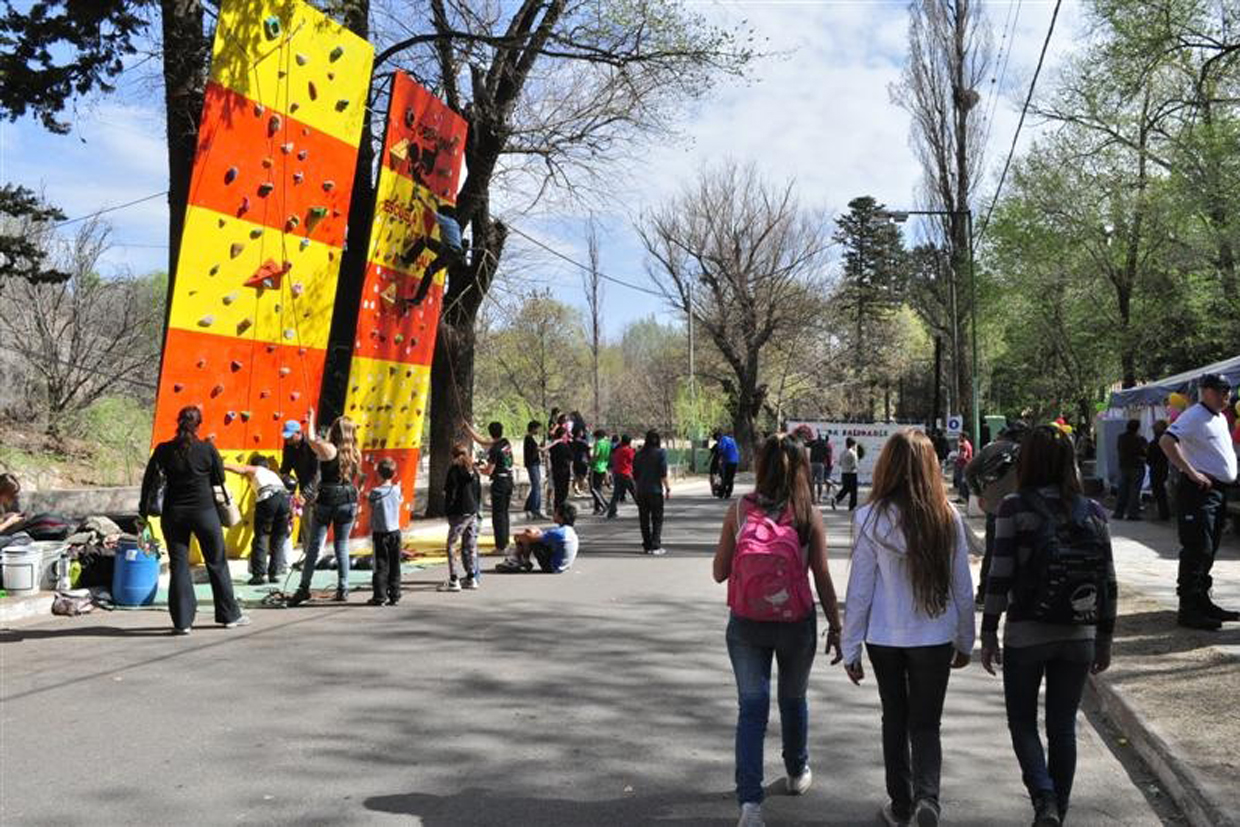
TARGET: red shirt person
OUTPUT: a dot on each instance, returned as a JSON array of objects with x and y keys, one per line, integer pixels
[{"x": 621, "y": 474}]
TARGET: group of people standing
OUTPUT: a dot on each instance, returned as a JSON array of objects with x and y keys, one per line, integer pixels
[{"x": 910, "y": 607}]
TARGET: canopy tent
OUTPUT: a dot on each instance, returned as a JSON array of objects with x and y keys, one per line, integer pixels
[{"x": 1155, "y": 393}]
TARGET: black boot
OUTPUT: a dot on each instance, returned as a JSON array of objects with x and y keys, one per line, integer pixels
[
  {"x": 300, "y": 596},
  {"x": 1212, "y": 610},
  {"x": 1195, "y": 614},
  {"x": 1046, "y": 811}
]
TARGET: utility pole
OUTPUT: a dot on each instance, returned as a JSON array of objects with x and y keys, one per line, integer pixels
[{"x": 693, "y": 425}]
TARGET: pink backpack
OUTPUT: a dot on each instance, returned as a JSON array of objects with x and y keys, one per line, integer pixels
[{"x": 768, "y": 580}]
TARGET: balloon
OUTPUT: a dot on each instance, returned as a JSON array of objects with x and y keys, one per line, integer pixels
[
  {"x": 1060, "y": 422},
  {"x": 1178, "y": 401},
  {"x": 1238, "y": 407},
  {"x": 1172, "y": 416}
]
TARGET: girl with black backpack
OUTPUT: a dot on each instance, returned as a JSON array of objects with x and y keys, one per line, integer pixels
[
  {"x": 771, "y": 542},
  {"x": 910, "y": 602},
  {"x": 1052, "y": 573}
]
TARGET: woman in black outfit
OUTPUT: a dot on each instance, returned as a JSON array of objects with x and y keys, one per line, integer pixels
[{"x": 191, "y": 466}]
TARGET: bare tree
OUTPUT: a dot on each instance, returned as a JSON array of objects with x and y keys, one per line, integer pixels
[
  {"x": 82, "y": 337},
  {"x": 593, "y": 282},
  {"x": 742, "y": 257},
  {"x": 950, "y": 50}
]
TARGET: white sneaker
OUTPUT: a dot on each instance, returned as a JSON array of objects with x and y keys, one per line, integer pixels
[
  {"x": 797, "y": 784},
  {"x": 751, "y": 816},
  {"x": 657, "y": 552},
  {"x": 449, "y": 586},
  {"x": 244, "y": 620},
  {"x": 470, "y": 583}
]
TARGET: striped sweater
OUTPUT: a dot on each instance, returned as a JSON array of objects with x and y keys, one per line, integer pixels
[{"x": 1016, "y": 530}]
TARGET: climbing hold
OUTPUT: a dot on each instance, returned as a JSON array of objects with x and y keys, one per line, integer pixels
[
  {"x": 256, "y": 232},
  {"x": 295, "y": 395},
  {"x": 206, "y": 321},
  {"x": 285, "y": 371},
  {"x": 289, "y": 333},
  {"x": 265, "y": 188},
  {"x": 268, "y": 163},
  {"x": 230, "y": 175},
  {"x": 245, "y": 416},
  {"x": 342, "y": 104},
  {"x": 229, "y": 417},
  {"x": 236, "y": 248},
  {"x": 313, "y": 90},
  {"x": 258, "y": 110},
  {"x": 216, "y": 391},
  {"x": 221, "y": 223},
  {"x": 331, "y": 75},
  {"x": 271, "y": 27},
  {"x": 291, "y": 224},
  {"x": 177, "y": 387},
  {"x": 297, "y": 289},
  {"x": 301, "y": 351},
  {"x": 280, "y": 73},
  {"x": 235, "y": 366},
  {"x": 294, "y": 106},
  {"x": 304, "y": 243},
  {"x": 264, "y": 394},
  {"x": 268, "y": 275},
  {"x": 301, "y": 154},
  {"x": 229, "y": 298},
  {"x": 277, "y": 415},
  {"x": 409, "y": 117},
  {"x": 274, "y": 124},
  {"x": 336, "y": 53},
  {"x": 398, "y": 338},
  {"x": 301, "y": 59},
  {"x": 202, "y": 363},
  {"x": 258, "y": 437},
  {"x": 243, "y": 326},
  {"x": 298, "y": 177},
  {"x": 271, "y": 348},
  {"x": 286, "y": 147},
  {"x": 245, "y": 206}
]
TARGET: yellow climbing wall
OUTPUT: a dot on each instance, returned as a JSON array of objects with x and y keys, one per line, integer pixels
[
  {"x": 265, "y": 227},
  {"x": 389, "y": 375}
]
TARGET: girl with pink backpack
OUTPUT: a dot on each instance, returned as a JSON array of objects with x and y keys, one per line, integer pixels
[
  {"x": 770, "y": 544},
  {"x": 910, "y": 603}
]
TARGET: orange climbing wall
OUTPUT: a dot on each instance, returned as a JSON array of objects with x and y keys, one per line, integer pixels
[
  {"x": 265, "y": 227},
  {"x": 389, "y": 374}
]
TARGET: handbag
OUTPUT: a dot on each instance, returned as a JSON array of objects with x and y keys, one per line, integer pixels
[
  {"x": 153, "y": 504},
  {"x": 230, "y": 514}
]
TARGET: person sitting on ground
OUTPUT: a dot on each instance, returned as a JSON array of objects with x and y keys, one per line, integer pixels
[
  {"x": 385, "y": 500},
  {"x": 462, "y": 507},
  {"x": 448, "y": 250},
  {"x": 555, "y": 549},
  {"x": 10, "y": 511},
  {"x": 271, "y": 519}
]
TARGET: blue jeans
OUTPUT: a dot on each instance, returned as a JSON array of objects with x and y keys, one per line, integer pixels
[
  {"x": 533, "y": 503},
  {"x": 1065, "y": 665},
  {"x": 751, "y": 644},
  {"x": 340, "y": 518}
]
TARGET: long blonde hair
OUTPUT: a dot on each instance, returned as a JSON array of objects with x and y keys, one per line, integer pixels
[
  {"x": 907, "y": 476},
  {"x": 343, "y": 434}
]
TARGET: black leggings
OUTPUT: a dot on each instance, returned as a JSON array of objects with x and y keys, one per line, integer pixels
[{"x": 204, "y": 524}]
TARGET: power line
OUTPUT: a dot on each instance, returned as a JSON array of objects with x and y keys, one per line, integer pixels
[
  {"x": 113, "y": 208},
  {"x": 1004, "y": 59},
  {"x": 1016, "y": 135},
  {"x": 585, "y": 267}
]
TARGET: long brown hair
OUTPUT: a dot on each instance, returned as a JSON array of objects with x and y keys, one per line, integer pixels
[
  {"x": 1047, "y": 458},
  {"x": 782, "y": 478},
  {"x": 343, "y": 434},
  {"x": 188, "y": 420},
  {"x": 462, "y": 457},
  {"x": 908, "y": 477}
]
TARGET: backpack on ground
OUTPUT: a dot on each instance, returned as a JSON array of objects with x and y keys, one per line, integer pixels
[
  {"x": 768, "y": 580},
  {"x": 1064, "y": 581}
]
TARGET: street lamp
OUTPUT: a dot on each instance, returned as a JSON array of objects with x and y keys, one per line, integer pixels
[{"x": 899, "y": 217}]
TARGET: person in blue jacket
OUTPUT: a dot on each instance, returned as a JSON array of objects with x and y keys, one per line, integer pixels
[
  {"x": 729, "y": 460},
  {"x": 448, "y": 249}
]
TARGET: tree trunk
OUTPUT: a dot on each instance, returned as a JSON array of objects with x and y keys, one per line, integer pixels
[
  {"x": 452, "y": 401},
  {"x": 1124, "y": 285}
]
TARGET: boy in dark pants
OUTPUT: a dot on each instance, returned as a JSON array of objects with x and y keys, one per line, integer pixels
[
  {"x": 271, "y": 519},
  {"x": 385, "y": 500}
]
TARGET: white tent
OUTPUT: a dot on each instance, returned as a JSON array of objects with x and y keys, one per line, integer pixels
[{"x": 1155, "y": 393}]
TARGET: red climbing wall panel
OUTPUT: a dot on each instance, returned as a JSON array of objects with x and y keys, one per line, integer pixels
[
  {"x": 265, "y": 226},
  {"x": 389, "y": 374}
]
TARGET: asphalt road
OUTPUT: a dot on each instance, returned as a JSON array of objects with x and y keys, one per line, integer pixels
[{"x": 601, "y": 696}]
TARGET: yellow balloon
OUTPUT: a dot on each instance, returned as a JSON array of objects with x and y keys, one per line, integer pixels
[
  {"x": 1238, "y": 408},
  {"x": 1178, "y": 401}
]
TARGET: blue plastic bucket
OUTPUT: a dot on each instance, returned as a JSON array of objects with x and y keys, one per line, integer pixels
[{"x": 136, "y": 576}]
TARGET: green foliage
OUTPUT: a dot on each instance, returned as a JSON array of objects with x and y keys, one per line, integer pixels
[{"x": 22, "y": 253}]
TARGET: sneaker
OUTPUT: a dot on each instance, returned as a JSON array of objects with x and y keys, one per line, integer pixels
[
  {"x": 181, "y": 632},
  {"x": 273, "y": 578},
  {"x": 887, "y": 815},
  {"x": 1046, "y": 811},
  {"x": 449, "y": 586},
  {"x": 392, "y": 601},
  {"x": 508, "y": 566},
  {"x": 244, "y": 620},
  {"x": 375, "y": 601},
  {"x": 657, "y": 552},
  {"x": 926, "y": 814},
  {"x": 798, "y": 784},
  {"x": 300, "y": 596},
  {"x": 341, "y": 596},
  {"x": 257, "y": 580},
  {"x": 470, "y": 583},
  {"x": 751, "y": 815}
]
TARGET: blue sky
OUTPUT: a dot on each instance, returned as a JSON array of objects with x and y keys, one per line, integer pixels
[{"x": 819, "y": 114}]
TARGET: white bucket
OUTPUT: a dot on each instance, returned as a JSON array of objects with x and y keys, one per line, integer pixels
[{"x": 22, "y": 569}]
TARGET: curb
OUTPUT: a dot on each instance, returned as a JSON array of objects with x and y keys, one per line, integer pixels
[
  {"x": 20, "y": 608},
  {"x": 1182, "y": 783}
]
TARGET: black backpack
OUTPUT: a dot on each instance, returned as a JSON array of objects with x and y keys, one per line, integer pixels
[{"x": 1064, "y": 581}]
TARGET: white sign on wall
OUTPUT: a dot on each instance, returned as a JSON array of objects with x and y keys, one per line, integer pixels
[
  {"x": 955, "y": 424},
  {"x": 871, "y": 436}
]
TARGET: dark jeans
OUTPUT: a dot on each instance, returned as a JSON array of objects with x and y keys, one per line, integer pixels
[
  {"x": 386, "y": 579},
  {"x": 445, "y": 256},
  {"x": 848, "y": 487},
  {"x": 727, "y": 478},
  {"x": 597, "y": 478},
  {"x": 559, "y": 487},
  {"x": 271, "y": 522},
  {"x": 204, "y": 524},
  {"x": 619, "y": 484},
  {"x": 1201, "y": 516},
  {"x": 986, "y": 555},
  {"x": 751, "y": 645},
  {"x": 1065, "y": 666},
  {"x": 1128, "y": 501},
  {"x": 1158, "y": 490},
  {"x": 533, "y": 503},
  {"x": 650, "y": 515},
  {"x": 340, "y": 519},
  {"x": 912, "y": 683},
  {"x": 501, "y": 500}
]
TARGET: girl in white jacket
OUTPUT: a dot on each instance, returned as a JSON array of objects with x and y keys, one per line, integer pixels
[{"x": 910, "y": 601}]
